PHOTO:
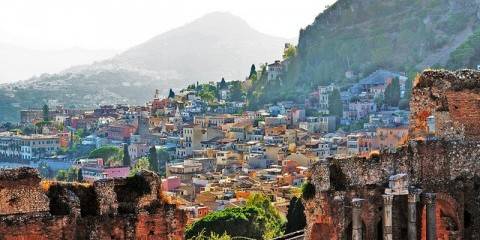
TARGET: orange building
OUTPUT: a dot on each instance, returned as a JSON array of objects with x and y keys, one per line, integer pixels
[{"x": 391, "y": 138}]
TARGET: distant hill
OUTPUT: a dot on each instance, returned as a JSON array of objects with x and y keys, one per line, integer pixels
[
  {"x": 18, "y": 63},
  {"x": 216, "y": 45},
  {"x": 361, "y": 36}
]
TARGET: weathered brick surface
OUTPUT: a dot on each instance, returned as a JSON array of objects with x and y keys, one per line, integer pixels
[
  {"x": 79, "y": 211},
  {"x": 449, "y": 168},
  {"x": 25, "y": 199},
  {"x": 453, "y": 98},
  {"x": 446, "y": 163}
]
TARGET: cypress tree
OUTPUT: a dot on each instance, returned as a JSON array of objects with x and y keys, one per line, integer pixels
[
  {"x": 296, "y": 219},
  {"x": 335, "y": 105},
  {"x": 253, "y": 71},
  {"x": 223, "y": 84},
  {"x": 153, "y": 159},
  {"x": 79, "y": 175},
  {"x": 392, "y": 93},
  {"x": 126, "y": 156},
  {"x": 45, "y": 111},
  {"x": 171, "y": 94}
]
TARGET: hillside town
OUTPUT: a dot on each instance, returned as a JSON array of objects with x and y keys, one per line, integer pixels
[{"x": 211, "y": 150}]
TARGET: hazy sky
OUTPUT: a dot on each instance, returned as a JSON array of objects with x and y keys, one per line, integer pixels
[{"x": 119, "y": 24}]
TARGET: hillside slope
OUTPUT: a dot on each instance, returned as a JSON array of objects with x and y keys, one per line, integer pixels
[{"x": 364, "y": 35}]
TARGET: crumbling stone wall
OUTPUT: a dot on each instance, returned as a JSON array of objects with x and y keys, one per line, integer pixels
[
  {"x": 445, "y": 163},
  {"x": 453, "y": 98},
  {"x": 448, "y": 168},
  {"x": 15, "y": 200},
  {"x": 88, "y": 211}
]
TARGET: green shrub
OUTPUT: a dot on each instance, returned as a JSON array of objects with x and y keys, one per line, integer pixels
[
  {"x": 236, "y": 222},
  {"x": 308, "y": 190}
]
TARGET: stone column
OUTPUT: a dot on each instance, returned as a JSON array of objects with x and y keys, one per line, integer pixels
[
  {"x": 412, "y": 216},
  {"x": 431, "y": 218},
  {"x": 387, "y": 216},
  {"x": 357, "y": 231}
]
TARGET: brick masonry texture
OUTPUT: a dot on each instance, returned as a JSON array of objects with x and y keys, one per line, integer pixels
[
  {"x": 446, "y": 163},
  {"x": 58, "y": 210}
]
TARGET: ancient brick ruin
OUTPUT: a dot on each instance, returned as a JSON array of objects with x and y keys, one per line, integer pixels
[
  {"x": 427, "y": 189},
  {"x": 130, "y": 208}
]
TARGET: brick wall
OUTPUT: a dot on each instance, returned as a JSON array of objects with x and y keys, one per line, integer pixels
[{"x": 83, "y": 211}]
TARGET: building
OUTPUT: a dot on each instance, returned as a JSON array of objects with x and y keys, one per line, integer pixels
[
  {"x": 274, "y": 70},
  {"x": 138, "y": 150},
  {"x": 389, "y": 138},
  {"x": 120, "y": 132},
  {"x": 323, "y": 96}
]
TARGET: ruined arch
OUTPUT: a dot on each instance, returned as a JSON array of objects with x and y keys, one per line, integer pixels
[
  {"x": 447, "y": 217},
  {"x": 379, "y": 229}
]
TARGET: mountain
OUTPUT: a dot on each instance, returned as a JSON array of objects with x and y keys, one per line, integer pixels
[
  {"x": 361, "y": 36},
  {"x": 18, "y": 63},
  {"x": 216, "y": 45}
]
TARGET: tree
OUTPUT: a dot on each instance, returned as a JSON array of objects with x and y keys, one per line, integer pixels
[
  {"x": 212, "y": 236},
  {"x": 236, "y": 92},
  {"x": 46, "y": 113},
  {"x": 296, "y": 219},
  {"x": 289, "y": 51},
  {"x": 80, "y": 175},
  {"x": 141, "y": 164},
  {"x": 126, "y": 156},
  {"x": 308, "y": 190},
  {"x": 163, "y": 158},
  {"x": 171, "y": 94},
  {"x": 247, "y": 222},
  {"x": 223, "y": 84},
  {"x": 61, "y": 175},
  {"x": 274, "y": 221},
  {"x": 253, "y": 72},
  {"x": 69, "y": 175},
  {"x": 335, "y": 105},
  {"x": 111, "y": 155},
  {"x": 153, "y": 160},
  {"x": 392, "y": 93}
]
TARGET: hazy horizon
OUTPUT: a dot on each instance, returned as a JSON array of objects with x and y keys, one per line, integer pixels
[{"x": 119, "y": 25}]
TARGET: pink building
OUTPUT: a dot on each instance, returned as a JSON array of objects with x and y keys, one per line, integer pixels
[
  {"x": 116, "y": 172},
  {"x": 93, "y": 169},
  {"x": 171, "y": 183}
]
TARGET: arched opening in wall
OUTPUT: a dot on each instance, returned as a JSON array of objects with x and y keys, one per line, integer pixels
[
  {"x": 347, "y": 234},
  {"x": 400, "y": 217},
  {"x": 321, "y": 231},
  {"x": 467, "y": 219},
  {"x": 379, "y": 230},
  {"x": 446, "y": 217},
  {"x": 467, "y": 223},
  {"x": 338, "y": 180},
  {"x": 364, "y": 230}
]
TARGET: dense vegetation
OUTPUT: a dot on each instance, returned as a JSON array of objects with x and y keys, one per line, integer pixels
[
  {"x": 296, "y": 219},
  {"x": 111, "y": 155},
  {"x": 363, "y": 36},
  {"x": 258, "y": 219},
  {"x": 468, "y": 54}
]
